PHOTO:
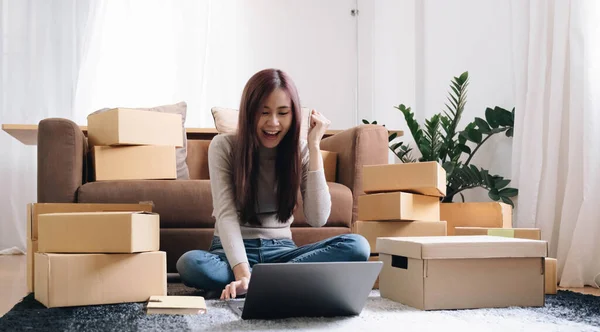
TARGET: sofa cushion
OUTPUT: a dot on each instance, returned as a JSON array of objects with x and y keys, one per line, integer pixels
[{"x": 188, "y": 203}]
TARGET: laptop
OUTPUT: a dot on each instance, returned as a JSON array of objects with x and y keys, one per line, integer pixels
[{"x": 281, "y": 290}]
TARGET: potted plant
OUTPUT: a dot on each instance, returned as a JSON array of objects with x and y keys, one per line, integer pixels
[{"x": 440, "y": 140}]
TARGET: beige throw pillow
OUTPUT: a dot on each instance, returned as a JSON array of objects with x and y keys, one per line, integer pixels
[
  {"x": 226, "y": 120},
  {"x": 180, "y": 153}
]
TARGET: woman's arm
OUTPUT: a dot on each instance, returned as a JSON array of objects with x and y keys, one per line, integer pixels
[{"x": 224, "y": 208}]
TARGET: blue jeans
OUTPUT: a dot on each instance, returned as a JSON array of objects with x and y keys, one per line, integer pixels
[{"x": 210, "y": 270}]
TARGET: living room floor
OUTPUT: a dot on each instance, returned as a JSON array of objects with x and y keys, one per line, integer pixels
[{"x": 13, "y": 284}]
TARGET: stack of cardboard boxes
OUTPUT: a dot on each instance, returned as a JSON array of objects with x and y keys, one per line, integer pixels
[
  {"x": 86, "y": 254},
  {"x": 130, "y": 144},
  {"x": 400, "y": 200}
]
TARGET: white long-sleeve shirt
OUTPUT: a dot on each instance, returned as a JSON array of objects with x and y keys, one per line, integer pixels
[{"x": 313, "y": 187}]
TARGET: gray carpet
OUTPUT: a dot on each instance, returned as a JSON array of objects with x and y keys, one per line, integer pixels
[{"x": 566, "y": 311}]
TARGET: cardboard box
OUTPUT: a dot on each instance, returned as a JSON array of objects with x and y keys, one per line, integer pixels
[
  {"x": 521, "y": 233},
  {"x": 134, "y": 163},
  {"x": 329, "y": 165},
  {"x": 371, "y": 230},
  {"x": 64, "y": 280},
  {"x": 476, "y": 214},
  {"x": 426, "y": 178},
  {"x": 551, "y": 278},
  {"x": 375, "y": 258},
  {"x": 32, "y": 248},
  {"x": 99, "y": 232},
  {"x": 461, "y": 272},
  {"x": 35, "y": 209},
  {"x": 125, "y": 126},
  {"x": 398, "y": 206},
  {"x": 176, "y": 305}
]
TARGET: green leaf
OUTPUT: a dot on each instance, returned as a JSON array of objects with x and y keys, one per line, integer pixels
[
  {"x": 464, "y": 148},
  {"x": 491, "y": 117},
  {"x": 501, "y": 183},
  {"x": 474, "y": 136},
  {"x": 448, "y": 167},
  {"x": 504, "y": 117},
  {"x": 509, "y": 132},
  {"x": 507, "y": 201},
  {"x": 509, "y": 192},
  {"x": 463, "y": 77},
  {"x": 392, "y": 137},
  {"x": 493, "y": 194},
  {"x": 483, "y": 126},
  {"x": 374, "y": 122},
  {"x": 365, "y": 121}
]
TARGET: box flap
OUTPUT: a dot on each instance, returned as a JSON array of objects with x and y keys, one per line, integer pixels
[
  {"x": 120, "y": 213},
  {"x": 177, "y": 302},
  {"x": 447, "y": 247}
]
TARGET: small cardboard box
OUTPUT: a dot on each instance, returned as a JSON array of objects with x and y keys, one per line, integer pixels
[
  {"x": 64, "y": 280},
  {"x": 32, "y": 248},
  {"x": 551, "y": 276},
  {"x": 426, "y": 178},
  {"x": 99, "y": 232},
  {"x": 520, "y": 233},
  {"x": 125, "y": 126},
  {"x": 134, "y": 162},
  {"x": 398, "y": 206},
  {"x": 476, "y": 214},
  {"x": 176, "y": 305},
  {"x": 35, "y": 209},
  {"x": 329, "y": 165},
  {"x": 371, "y": 230},
  {"x": 462, "y": 272}
]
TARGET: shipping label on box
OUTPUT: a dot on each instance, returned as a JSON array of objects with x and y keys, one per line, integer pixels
[
  {"x": 476, "y": 214},
  {"x": 99, "y": 232},
  {"x": 426, "y": 178},
  {"x": 462, "y": 272},
  {"x": 64, "y": 280},
  {"x": 134, "y": 163},
  {"x": 398, "y": 206},
  {"x": 35, "y": 209},
  {"x": 371, "y": 230},
  {"x": 125, "y": 126},
  {"x": 521, "y": 233}
]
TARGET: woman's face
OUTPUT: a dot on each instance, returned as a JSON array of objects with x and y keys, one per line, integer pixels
[{"x": 274, "y": 119}]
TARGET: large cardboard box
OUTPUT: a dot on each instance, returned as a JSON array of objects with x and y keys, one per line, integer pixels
[
  {"x": 144, "y": 162},
  {"x": 551, "y": 276},
  {"x": 371, "y": 230},
  {"x": 125, "y": 126},
  {"x": 426, "y": 178},
  {"x": 521, "y": 233},
  {"x": 35, "y": 209},
  {"x": 32, "y": 246},
  {"x": 64, "y": 280},
  {"x": 398, "y": 206},
  {"x": 476, "y": 214},
  {"x": 461, "y": 272},
  {"x": 99, "y": 232}
]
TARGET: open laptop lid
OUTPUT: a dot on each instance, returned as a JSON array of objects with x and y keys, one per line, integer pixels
[{"x": 280, "y": 290}]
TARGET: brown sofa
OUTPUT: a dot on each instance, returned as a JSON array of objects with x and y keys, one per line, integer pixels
[{"x": 185, "y": 206}]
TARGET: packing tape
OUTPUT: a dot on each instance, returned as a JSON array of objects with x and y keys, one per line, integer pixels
[{"x": 502, "y": 232}]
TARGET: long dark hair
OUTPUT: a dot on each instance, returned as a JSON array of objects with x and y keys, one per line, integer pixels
[{"x": 287, "y": 164}]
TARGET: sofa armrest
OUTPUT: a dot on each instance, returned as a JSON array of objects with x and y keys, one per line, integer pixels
[
  {"x": 356, "y": 147},
  {"x": 62, "y": 154}
]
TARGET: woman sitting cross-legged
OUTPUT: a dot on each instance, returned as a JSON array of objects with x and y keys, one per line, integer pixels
[{"x": 255, "y": 176}]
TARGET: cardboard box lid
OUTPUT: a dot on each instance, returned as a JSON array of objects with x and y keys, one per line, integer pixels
[
  {"x": 177, "y": 302},
  {"x": 100, "y": 213},
  {"x": 448, "y": 247}
]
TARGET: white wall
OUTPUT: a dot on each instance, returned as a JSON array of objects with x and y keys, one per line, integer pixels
[{"x": 414, "y": 48}]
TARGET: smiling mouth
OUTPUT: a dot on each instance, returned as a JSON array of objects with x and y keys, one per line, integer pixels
[{"x": 271, "y": 134}]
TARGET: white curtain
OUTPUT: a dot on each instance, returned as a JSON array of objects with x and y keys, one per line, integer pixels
[
  {"x": 39, "y": 61},
  {"x": 556, "y": 150}
]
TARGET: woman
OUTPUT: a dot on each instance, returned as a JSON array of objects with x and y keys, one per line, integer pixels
[{"x": 255, "y": 177}]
